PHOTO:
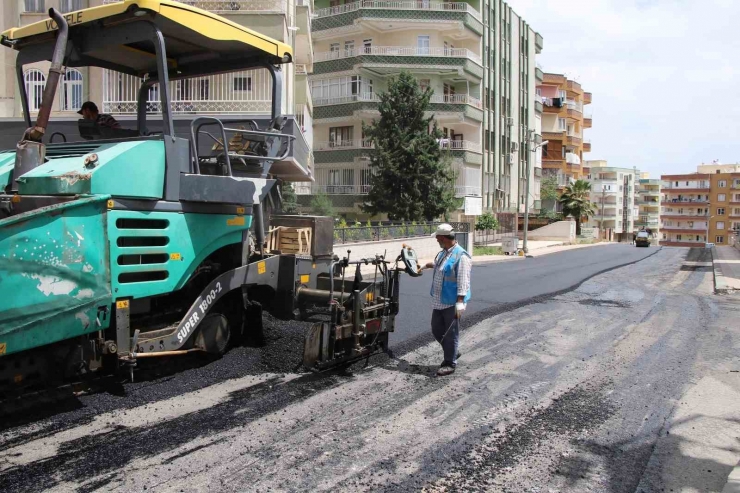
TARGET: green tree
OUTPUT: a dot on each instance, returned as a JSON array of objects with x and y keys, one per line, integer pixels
[
  {"x": 412, "y": 176},
  {"x": 290, "y": 199},
  {"x": 576, "y": 202},
  {"x": 321, "y": 205},
  {"x": 549, "y": 188},
  {"x": 486, "y": 222}
]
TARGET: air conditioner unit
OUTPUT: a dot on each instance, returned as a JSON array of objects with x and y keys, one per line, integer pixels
[
  {"x": 510, "y": 160},
  {"x": 514, "y": 147},
  {"x": 509, "y": 121}
]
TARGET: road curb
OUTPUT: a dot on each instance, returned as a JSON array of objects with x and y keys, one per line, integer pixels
[{"x": 720, "y": 284}]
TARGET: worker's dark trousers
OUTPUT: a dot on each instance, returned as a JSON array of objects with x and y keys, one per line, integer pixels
[{"x": 442, "y": 320}]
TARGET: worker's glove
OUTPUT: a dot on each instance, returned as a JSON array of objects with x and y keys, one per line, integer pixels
[{"x": 459, "y": 309}]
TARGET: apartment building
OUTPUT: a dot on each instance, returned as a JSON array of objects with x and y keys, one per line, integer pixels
[
  {"x": 685, "y": 205},
  {"x": 564, "y": 119},
  {"x": 647, "y": 201},
  {"x": 479, "y": 58},
  {"x": 232, "y": 97},
  {"x": 613, "y": 191}
]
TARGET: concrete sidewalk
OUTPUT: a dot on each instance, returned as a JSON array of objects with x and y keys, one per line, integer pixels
[{"x": 726, "y": 266}]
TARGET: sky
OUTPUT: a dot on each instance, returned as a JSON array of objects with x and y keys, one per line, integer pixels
[{"x": 661, "y": 73}]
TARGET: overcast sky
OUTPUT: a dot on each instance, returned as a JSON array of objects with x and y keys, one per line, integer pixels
[{"x": 661, "y": 73}]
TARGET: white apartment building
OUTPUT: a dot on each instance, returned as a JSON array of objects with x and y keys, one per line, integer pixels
[
  {"x": 232, "y": 97},
  {"x": 478, "y": 57},
  {"x": 613, "y": 190},
  {"x": 648, "y": 204}
]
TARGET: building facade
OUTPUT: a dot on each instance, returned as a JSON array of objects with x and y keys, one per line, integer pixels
[
  {"x": 648, "y": 204},
  {"x": 613, "y": 191},
  {"x": 477, "y": 57},
  {"x": 684, "y": 208},
  {"x": 564, "y": 119},
  {"x": 232, "y": 97}
]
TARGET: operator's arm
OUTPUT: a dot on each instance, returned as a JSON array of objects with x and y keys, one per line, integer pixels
[{"x": 463, "y": 277}]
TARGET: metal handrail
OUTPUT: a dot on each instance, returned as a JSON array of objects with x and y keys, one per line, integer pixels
[{"x": 194, "y": 140}]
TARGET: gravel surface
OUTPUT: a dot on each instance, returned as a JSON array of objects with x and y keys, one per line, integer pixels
[{"x": 577, "y": 390}]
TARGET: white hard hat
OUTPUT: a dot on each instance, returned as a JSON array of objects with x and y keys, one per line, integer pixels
[{"x": 444, "y": 229}]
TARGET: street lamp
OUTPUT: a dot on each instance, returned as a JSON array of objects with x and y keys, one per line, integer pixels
[
  {"x": 526, "y": 196},
  {"x": 706, "y": 237}
]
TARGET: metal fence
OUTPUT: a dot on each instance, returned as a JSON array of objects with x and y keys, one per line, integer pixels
[
  {"x": 394, "y": 231},
  {"x": 507, "y": 227},
  {"x": 356, "y": 234}
]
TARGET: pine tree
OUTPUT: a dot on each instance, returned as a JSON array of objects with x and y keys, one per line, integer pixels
[
  {"x": 321, "y": 205},
  {"x": 290, "y": 199},
  {"x": 412, "y": 177}
]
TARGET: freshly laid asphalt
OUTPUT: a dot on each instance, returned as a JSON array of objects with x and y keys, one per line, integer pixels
[
  {"x": 574, "y": 377},
  {"x": 499, "y": 286}
]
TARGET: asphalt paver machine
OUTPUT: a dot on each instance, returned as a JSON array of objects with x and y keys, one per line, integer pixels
[{"x": 122, "y": 244}]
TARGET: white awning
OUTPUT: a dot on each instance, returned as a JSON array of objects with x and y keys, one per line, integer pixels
[{"x": 572, "y": 158}]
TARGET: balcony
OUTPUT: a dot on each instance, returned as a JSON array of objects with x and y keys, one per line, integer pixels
[
  {"x": 587, "y": 122},
  {"x": 346, "y": 106},
  {"x": 344, "y": 144},
  {"x": 587, "y": 146},
  {"x": 553, "y": 135},
  {"x": 538, "y": 106},
  {"x": 574, "y": 86},
  {"x": 574, "y": 140},
  {"x": 586, "y": 98},
  {"x": 303, "y": 38},
  {"x": 539, "y": 75},
  {"x": 351, "y": 149},
  {"x": 349, "y": 14},
  {"x": 212, "y": 95},
  {"x": 387, "y": 60},
  {"x": 538, "y": 43},
  {"x": 232, "y": 6}
]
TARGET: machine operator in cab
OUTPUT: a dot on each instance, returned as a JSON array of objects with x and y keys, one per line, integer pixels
[{"x": 89, "y": 111}]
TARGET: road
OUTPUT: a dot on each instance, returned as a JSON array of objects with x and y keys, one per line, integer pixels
[{"x": 624, "y": 383}]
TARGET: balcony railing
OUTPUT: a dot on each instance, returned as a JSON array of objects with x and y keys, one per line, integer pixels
[
  {"x": 455, "y": 145},
  {"x": 245, "y": 92},
  {"x": 313, "y": 188},
  {"x": 232, "y": 6},
  {"x": 404, "y": 5},
  {"x": 435, "y": 52},
  {"x": 344, "y": 144},
  {"x": 374, "y": 98}
]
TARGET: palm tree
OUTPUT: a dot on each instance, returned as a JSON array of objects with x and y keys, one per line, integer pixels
[{"x": 576, "y": 202}]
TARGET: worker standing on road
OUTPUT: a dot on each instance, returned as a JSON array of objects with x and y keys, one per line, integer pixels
[{"x": 450, "y": 294}]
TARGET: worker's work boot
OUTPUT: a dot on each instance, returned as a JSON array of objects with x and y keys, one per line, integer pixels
[{"x": 445, "y": 369}]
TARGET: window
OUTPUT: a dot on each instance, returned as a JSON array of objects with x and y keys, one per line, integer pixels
[
  {"x": 562, "y": 94},
  {"x": 719, "y": 239},
  {"x": 349, "y": 47},
  {"x": 242, "y": 83},
  {"x": 721, "y": 197},
  {"x": 334, "y": 50},
  {"x": 71, "y": 95},
  {"x": 678, "y": 237},
  {"x": 700, "y": 211},
  {"x": 35, "y": 81},
  {"x": 66, "y": 6},
  {"x": 676, "y": 183},
  {"x": 691, "y": 224},
  {"x": 722, "y": 183},
  {"x": 33, "y": 6},
  {"x": 720, "y": 211},
  {"x": 367, "y": 45},
  {"x": 720, "y": 225},
  {"x": 340, "y": 136},
  {"x": 562, "y": 124}
]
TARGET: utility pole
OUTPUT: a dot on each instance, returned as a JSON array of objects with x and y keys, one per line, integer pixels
[
  {"x": 534, "y": 148},
  {"x": 601, "y": 223}
]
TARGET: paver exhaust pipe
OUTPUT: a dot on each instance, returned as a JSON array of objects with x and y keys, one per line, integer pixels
[{"x": 30, "y": 151}]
